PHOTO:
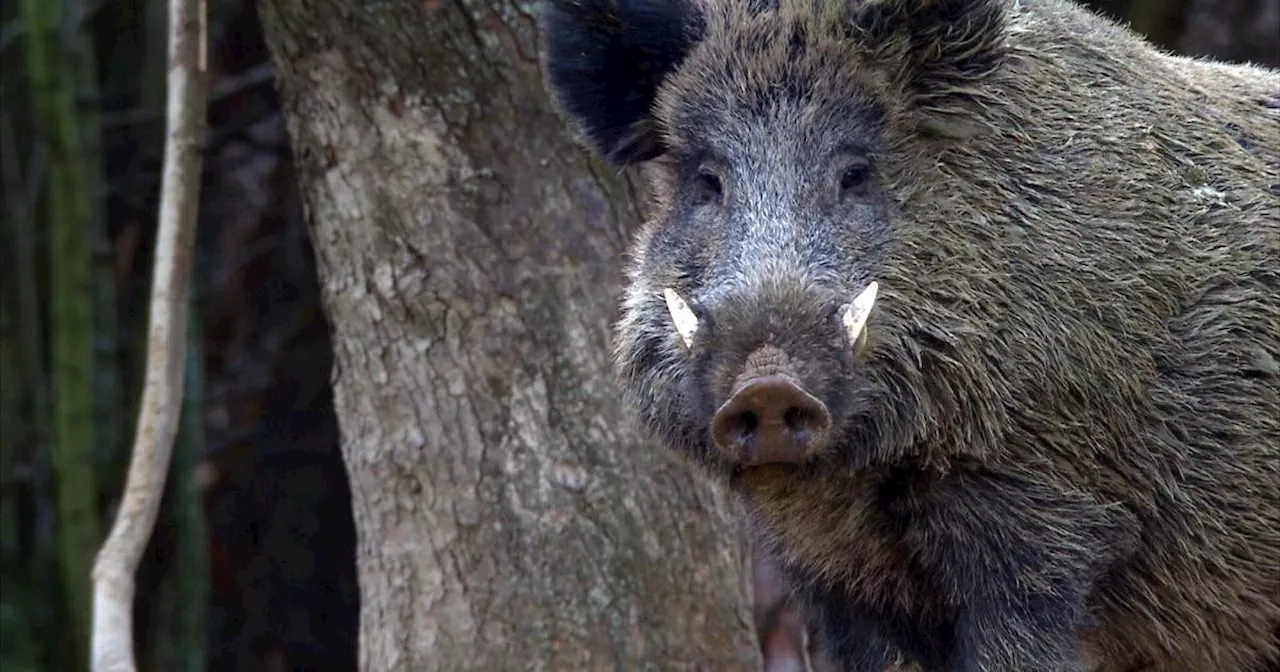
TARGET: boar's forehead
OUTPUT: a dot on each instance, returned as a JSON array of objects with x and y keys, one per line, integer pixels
[{"x": 771, "y": 81}]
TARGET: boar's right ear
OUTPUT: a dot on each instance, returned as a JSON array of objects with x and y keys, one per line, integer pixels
[{"x": 605, "y": 60}]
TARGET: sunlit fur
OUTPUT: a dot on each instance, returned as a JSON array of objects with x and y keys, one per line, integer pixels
[{"x": 1061, "y": 447}]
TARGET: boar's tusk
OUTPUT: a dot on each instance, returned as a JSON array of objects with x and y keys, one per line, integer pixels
[
  {"x": 686, "y": 322},
  {"x": 855, "y": 314}
]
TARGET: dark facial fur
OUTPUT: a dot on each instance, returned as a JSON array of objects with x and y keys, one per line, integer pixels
[{"x": 1060, "y": 449}]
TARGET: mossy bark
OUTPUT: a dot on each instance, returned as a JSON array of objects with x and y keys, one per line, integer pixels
[{"x": 70, "y": 200}]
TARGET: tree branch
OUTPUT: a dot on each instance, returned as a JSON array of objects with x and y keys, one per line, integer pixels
[{"x": 117, "y": 561}]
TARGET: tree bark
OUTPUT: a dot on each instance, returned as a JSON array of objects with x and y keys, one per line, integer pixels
[{"x": 508, "y": 513}]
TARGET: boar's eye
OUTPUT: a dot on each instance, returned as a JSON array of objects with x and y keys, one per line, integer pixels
[
  {"x": 854, "y": 178},
  {"x": 707, "y": 188}
]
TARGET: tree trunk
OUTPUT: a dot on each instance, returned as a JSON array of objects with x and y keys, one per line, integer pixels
[{"x": 508, "y": 514}]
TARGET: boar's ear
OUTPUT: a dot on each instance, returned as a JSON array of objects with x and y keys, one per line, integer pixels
[
  {"x": 605, "y": 60},
  {"x": 938, "y": 50}
]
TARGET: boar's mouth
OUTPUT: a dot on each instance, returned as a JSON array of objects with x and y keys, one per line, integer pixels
[{"x": 770, "y": 417}]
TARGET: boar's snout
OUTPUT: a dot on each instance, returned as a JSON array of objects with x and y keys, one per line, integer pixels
[
  {"x": 770, "y": 419},
  {"x": 773, "y": 359}
]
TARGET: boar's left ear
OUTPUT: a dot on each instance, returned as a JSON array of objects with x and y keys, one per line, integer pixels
[
  {"x": 605, "y": 60},
  {"x": 939, "y": 50}
]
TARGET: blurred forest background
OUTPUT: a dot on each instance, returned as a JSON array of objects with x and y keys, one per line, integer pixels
[{"x": 252, "y": 563}]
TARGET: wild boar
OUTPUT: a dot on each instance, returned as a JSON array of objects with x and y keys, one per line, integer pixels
[{"x": 975, "y": 304}]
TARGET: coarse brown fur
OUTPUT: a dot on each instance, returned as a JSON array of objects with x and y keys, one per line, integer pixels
[{"x": 1060, "y": 449}]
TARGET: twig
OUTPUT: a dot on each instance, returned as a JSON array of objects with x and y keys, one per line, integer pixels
[{"x": 117, "y": 561}]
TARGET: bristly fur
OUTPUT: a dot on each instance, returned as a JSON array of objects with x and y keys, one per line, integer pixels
[{"x": 1060, "y": 449}]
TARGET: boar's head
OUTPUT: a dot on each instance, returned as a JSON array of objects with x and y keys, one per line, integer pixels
[{"x": 800, "y": 294}]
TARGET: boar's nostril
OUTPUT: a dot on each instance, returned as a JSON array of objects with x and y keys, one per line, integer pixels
[{"x": 770, "y": 419}]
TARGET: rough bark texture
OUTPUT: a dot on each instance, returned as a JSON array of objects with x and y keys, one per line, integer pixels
[{"x": 508, "y": 514}]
